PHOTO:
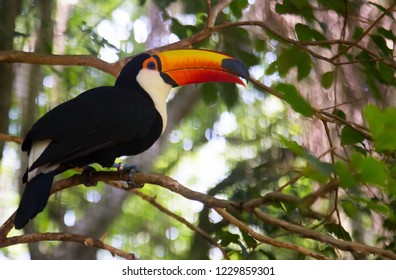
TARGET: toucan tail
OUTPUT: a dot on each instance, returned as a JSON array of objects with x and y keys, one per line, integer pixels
[{"x": 34, "y": 198}]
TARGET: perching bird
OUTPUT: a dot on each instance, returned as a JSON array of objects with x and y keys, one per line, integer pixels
[{"x": 107, "y": 122}]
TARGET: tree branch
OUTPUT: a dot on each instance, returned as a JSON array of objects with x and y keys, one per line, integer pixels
[
  {"x": 174, "y": 186},
  {"x": 50, "y": 236},
  {"x": 364, "y": 34},
  {"x": 66, "y": 60},
  {"x": 266, "y": 239},
  {"x": 321, "y": 115},
  {"x": 10, "y": 138},
  {"x": 311, "y": 234},
  {"x": 153, "y": 202},
  {"x": 214, "y": 12}
]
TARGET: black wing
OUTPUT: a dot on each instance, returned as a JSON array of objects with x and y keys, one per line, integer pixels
[{"x": 95, "y": 120}]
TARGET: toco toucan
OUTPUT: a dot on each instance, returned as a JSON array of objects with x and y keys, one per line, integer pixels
[{"x": 107, "y": 122}]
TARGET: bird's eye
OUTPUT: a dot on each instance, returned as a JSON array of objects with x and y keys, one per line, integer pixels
[{"x": 151, "y": 65}]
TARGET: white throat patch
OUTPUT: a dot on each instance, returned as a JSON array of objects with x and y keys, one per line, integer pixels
[{"x": 152, "y": 82}]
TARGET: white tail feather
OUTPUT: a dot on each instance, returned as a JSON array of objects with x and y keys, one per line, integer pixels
[{"x": 36, "y": 150}]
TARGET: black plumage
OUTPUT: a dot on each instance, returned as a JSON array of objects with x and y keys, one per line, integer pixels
[
  {"x": 107, "y": 122},
  {"x": 97, "y": 126},
  {"x": 112, "y": 122}
]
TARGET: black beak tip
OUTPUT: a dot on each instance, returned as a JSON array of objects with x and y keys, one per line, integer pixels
[{"x": 236, "y": 67}]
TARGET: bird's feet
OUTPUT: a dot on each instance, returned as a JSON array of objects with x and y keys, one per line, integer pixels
[
  {"x": 131, "y": 169},
  {"x": 87, "y": 173}
]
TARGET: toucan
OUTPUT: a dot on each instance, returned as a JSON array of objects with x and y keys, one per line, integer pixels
[{"x": 104, "y": 123}]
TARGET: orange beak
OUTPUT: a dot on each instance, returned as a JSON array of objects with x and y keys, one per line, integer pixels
[{"x": 191, "y": 66}]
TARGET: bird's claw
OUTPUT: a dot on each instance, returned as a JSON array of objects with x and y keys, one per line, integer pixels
[
  {"x": 132, "y": 170},
  {"x": 87, "y": 176}
]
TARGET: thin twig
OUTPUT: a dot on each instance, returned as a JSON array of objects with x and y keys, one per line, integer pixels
[{"x": 364, "y": 34}]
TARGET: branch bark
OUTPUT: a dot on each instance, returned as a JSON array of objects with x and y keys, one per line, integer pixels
[
  {"x": 10, "y": 138},
  {"x": 268, "y": 240},
  {"x": 66, "y": 60},
  {"x": 217, "y": 204},
  {"x": 51, "y": 236},
  {"x": 311, "y": 234}
]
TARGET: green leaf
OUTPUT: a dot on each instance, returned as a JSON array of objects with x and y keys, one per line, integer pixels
[
  {"x": 181, "y": 30},
  {"x": 339, "y": 113},
  {"x": 381, "y": 43},
  {"x": 306, "y": 34},
  {"x": 327, "y": 79},
  {"x": 250, "y": 241},
  {"x": 350, "y": 208},
  {"x": 382, "y": 127},
  {"x": 350, "y": 136},
  {"x": 269, "y": 255},
  {"x": 209, "y": 93},
  {"x": 289, "y": 58},
  {"x": 229, "y": 94},
  {"x": 365, "y": 60},
  {"x": 357, "y": 33},
  {"x": 373, "y": 171},
  {"x": 296, "y": 101},
  {"x": 293, "y": 146},
  {"x": 382, "y": 9},
  {"x": 338, "y": 231},
  {"x": 303, "y": 32},
  {"x": 336, "y": 5},
  {"x": 379, "y": 207},
  {"x": 259, "y": 45},
  {"x": 345, "y": 175},
  {"x": 372, "y": 84},
  {"x": 228, "y": 237},
  {"x": 387, "y": 73},
  {"x": 304, "y": 65},
  {"x": 300, "y": 7},
  {"x": 237, "y": 7},
  {"x": 241, "y": 48},
  {"x": 387, "y": 33},
  {"x": 322, "y": 167},
  {"x": 316, "y": 168}
]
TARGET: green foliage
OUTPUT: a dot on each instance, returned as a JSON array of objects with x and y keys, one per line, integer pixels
[
  {"x": 368, "y": 171},
  {"x": 350, "y": 136},
  {"x": 296, "y": 7},
  {"x": 183, "y": 31},
  {"x": 209, "y": 93},
  {"x": 294, "y": 98},
  {"x": 338, "y": 231},
  {"x": 327, "y": 79},
  {"x": 350, "y": 208},
  {"x": 289, "y": 58},
  {"x": 315, "y": 168},
  {"x": 381, "y": 125},
  {"x": 338, "y": 6},
  {"x": 306, "y": 34},
  {"x": 237, "y": 7}
]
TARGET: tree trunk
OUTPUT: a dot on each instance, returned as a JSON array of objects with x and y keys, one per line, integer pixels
[
  {"x": 34, "y": 79},
  {"x": 8, "y": 13}
]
